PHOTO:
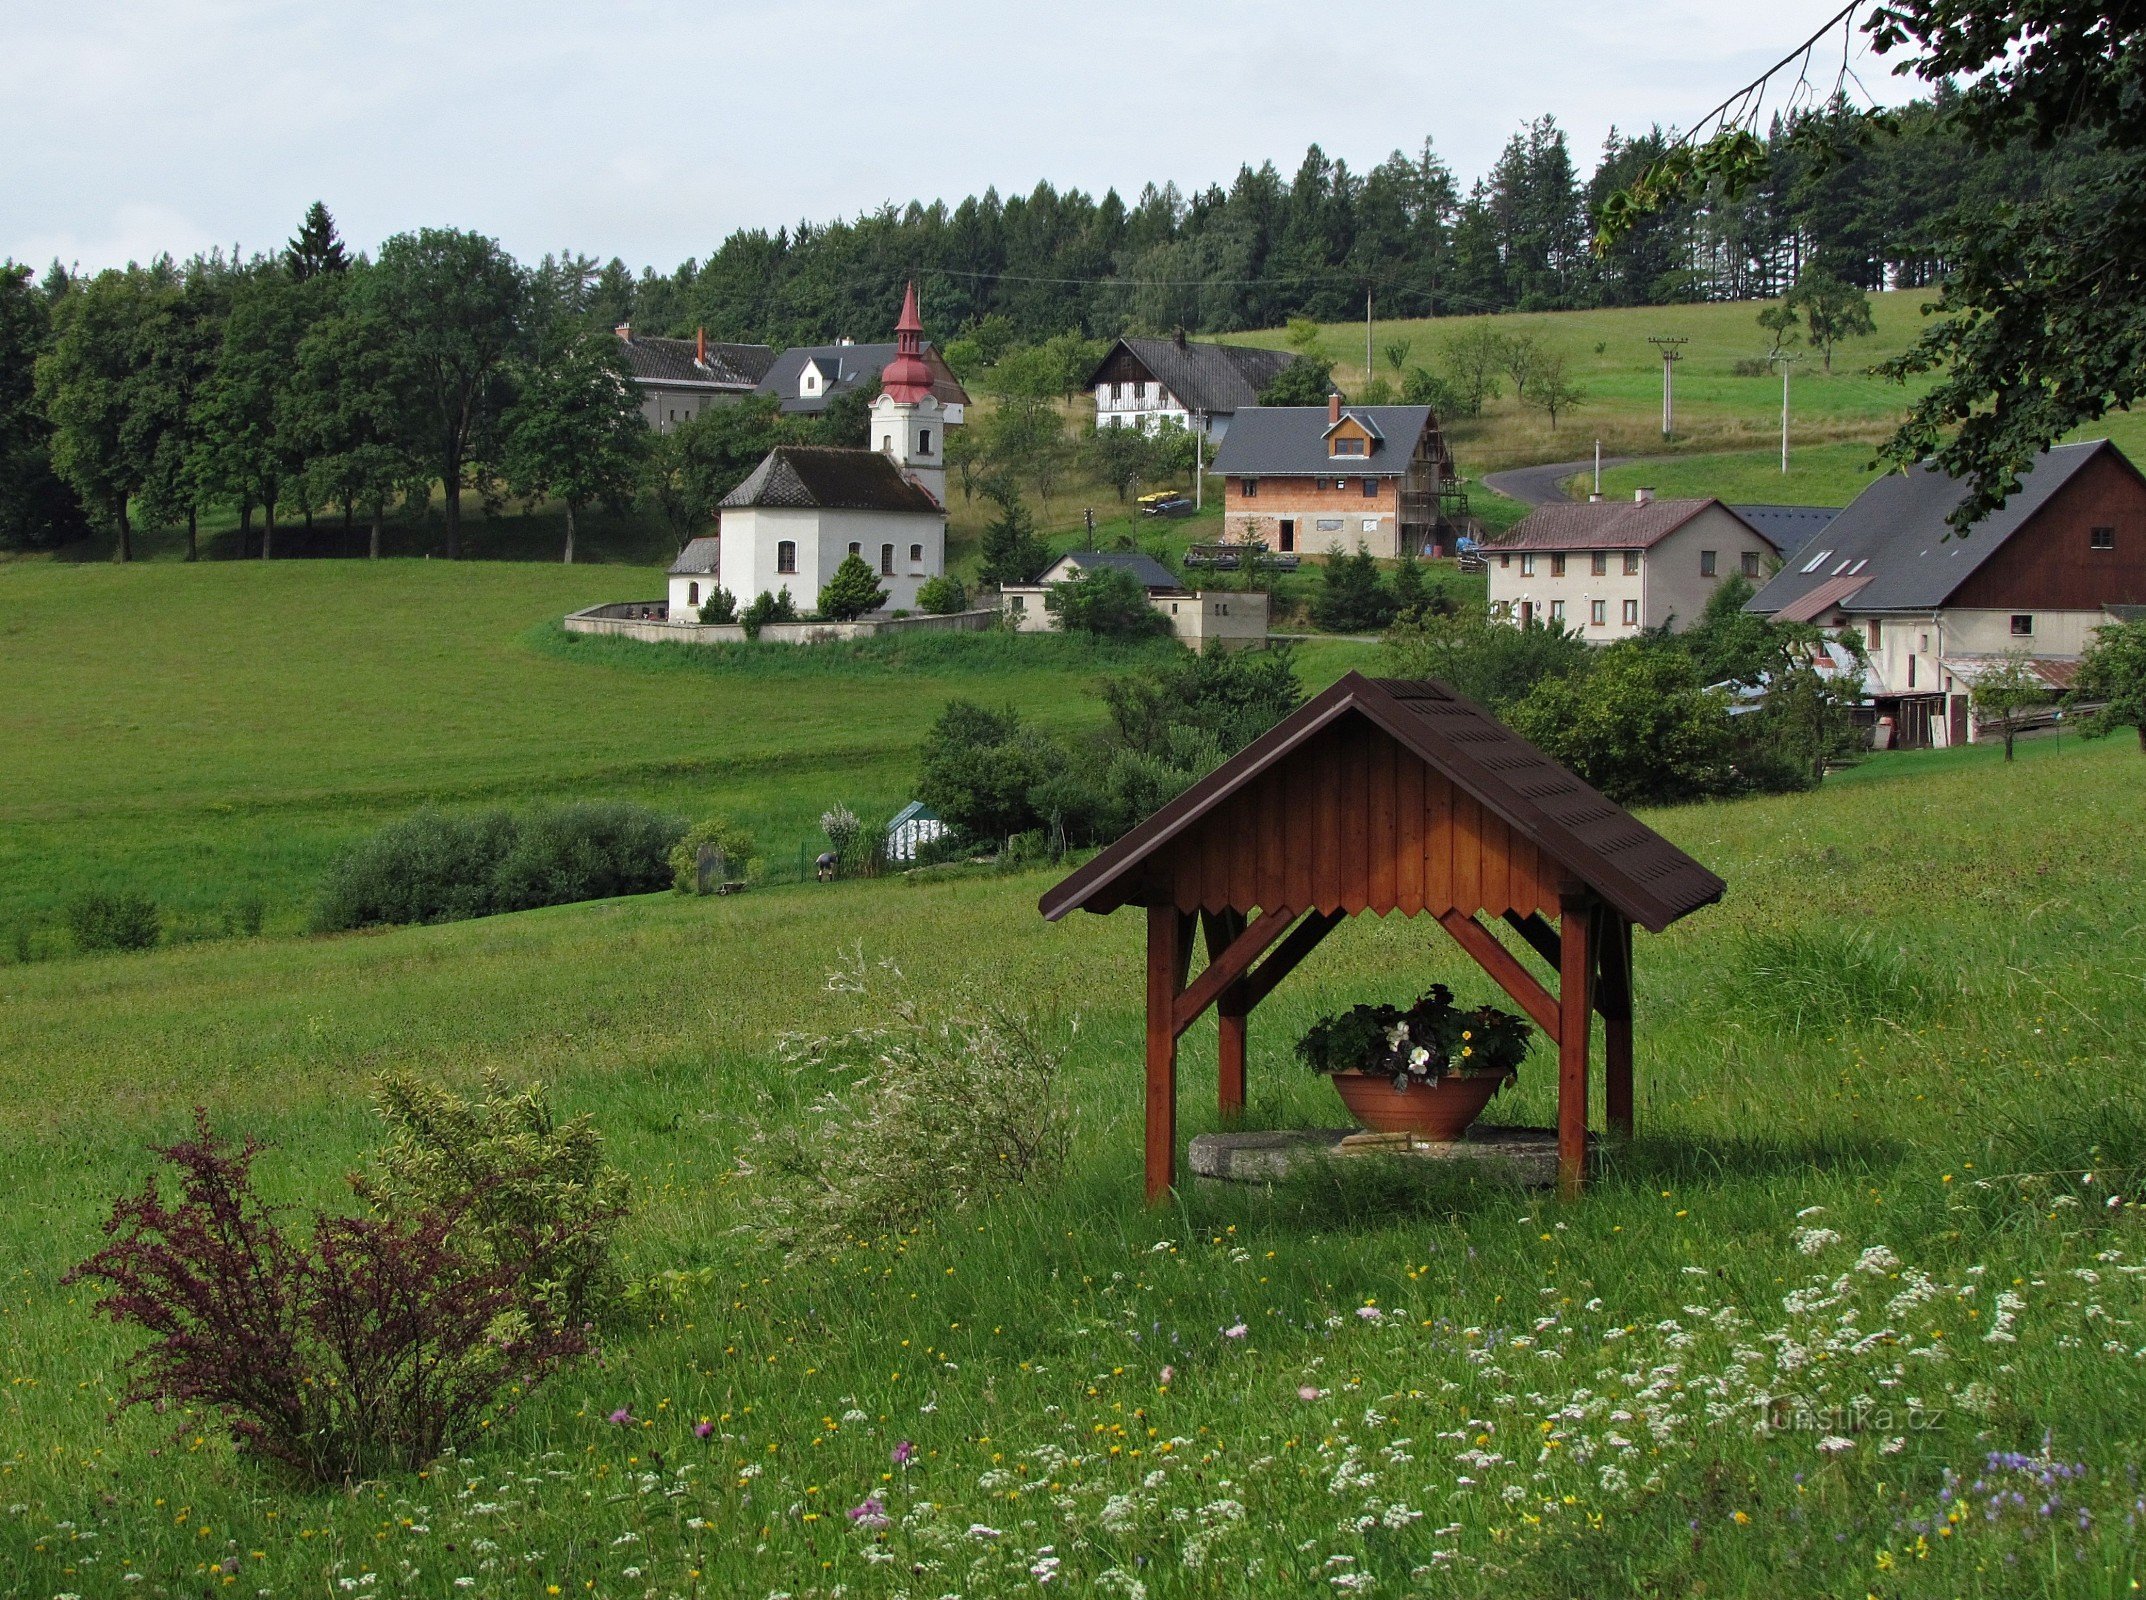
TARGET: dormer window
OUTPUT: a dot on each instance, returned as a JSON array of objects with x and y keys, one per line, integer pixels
[{"x": 1346, "y": 445}]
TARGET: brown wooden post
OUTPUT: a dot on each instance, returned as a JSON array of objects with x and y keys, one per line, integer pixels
[
  {"x": 1575, "y": 1003},
  {"x": 1230, "y": 1012},
  {"x": 1167, "y": 941},
  {"x": 1617, "y": 1027}
]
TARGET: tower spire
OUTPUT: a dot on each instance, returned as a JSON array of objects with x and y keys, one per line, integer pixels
[{"x": 906, "y": 379}]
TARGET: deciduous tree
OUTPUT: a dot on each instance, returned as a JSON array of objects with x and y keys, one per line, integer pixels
[{"x": 575, "y": 432}]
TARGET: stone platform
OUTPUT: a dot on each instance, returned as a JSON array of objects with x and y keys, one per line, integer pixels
[{"x": 1523, "y": 1155}]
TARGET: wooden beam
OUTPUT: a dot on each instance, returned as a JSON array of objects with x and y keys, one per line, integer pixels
[
  {"x": 1575, "y": 984},
  {"x": 1505, "y": 967},
  {"x": 1225, "y": 969},
  {"x": 1616, "y": 967},
  {"x": 1302, "y": 941},
  {"x": 1221, "y": 929},
  {"x": 1540, "y": 936},
  {"x": 1166, "y": 929}
]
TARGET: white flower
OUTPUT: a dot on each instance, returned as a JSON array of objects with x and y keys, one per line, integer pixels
[
  {"x": 1833, "y": 1444},
  {"x": 1877, "y": 1260},
  {"x": 1809, "y": 1241}
]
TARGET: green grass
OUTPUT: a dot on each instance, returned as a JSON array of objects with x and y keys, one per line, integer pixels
[
  {"x": 1468, "y": 1431},
  {"x": 213, "y": 733}
]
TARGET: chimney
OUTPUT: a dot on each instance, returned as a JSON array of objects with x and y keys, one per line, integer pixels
[
  {"x": 1642, "y": 497},
  {"x": 700, "y": 347},
  {"x": 1594, "y": 499},
  {"x": 625, "y": 332},
  {"x": 1333, "y": 409},
  {"x": 1181, "y": 338}
]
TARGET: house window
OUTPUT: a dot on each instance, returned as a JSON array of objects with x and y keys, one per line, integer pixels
[
  {"x": 1557, "y": 611},
  {"x": 886, "y": 441},
  {"x": 1597, "y": 612},
  {"x": 1557, "y": 566},
  {"x": 923, "y": 441},
  {"x": 916, "y": 555},
  {"x": 1371, "y": 488},
  {"x": 886, "y": 560},
  {"x": 855, "y": 548},
  {"x": 1016, "y": 603},
  {"x": 786, "y": 556},
  {"x": 2101, "y": 539},
  {"x": 1708, "y": 560},
  {"x": 1598, "y": 564},
  {"x": 1817, "y": 561},
  {"x": 1348, "y": 447},
  {"x": 1631, "y": 563},
  {"x": 1911, "y": 672},
  {"x": 1505, "y": 560},
  {"x": 692, "y": 594},
  {"x": 1871, "y": 636},
  {"x": 1527, "y": 566},
  {"x": 1751, "y": 563},
  {"x": 1117, "y": 392},
  {"x": 1631, "y": 613},
  {"x": 1248, "y": 487},
  {"x": 2022, "y": 625}
]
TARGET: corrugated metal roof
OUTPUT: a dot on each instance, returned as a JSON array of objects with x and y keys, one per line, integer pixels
[
  {"x": 1914, "y": 557},
  {"x": 1290, "y": 442},
  {"x": 1602, "y": 525},
  {"x": 1817, "y": 602},
  {"x": 697, "y": 558},
  {"x": 799, "y": 477},
  {"x": 1638, "y": 872},
  {"x": 2058, "y": 672}
]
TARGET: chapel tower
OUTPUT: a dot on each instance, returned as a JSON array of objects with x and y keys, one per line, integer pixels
[{"x": 909, "y": 422}]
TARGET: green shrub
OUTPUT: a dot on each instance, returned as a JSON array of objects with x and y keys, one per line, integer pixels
[
  {"x": 733, "y": 842},
  {"x": 101, "y": 920},
  {"x": 978, "y": 768},
  {"x": 721, "y": 606},
  {"x": 1350, "y": 598},
  {"x": 1639, "y": 726},
  {"x": 1108, "y": 602},
  {"x": 942, "y": 596},
  {"x": 944, "y": 1104},
  {"x": 1485, "y": 658},
  {"x": 443, "y": 867},
  {"x": 1826, "y": 977},
  {"x": 851, "y": 590},
  {"x": 767, "y": 608},
  {"x": 535, "y": 1193}
]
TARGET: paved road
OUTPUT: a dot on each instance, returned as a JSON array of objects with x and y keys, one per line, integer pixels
[{"x": 1538, "y": 486}]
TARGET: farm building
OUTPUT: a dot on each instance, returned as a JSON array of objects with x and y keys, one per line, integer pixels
[
  {"x": 1321, "y": 480},
  {"x": 680, "y": 378},
  {"x": 1610, "y": 569},
  {"x": 1202, "y": 618},
  {"x": 1933, "y": 607},
  {"x": 1143, "y": 383}
]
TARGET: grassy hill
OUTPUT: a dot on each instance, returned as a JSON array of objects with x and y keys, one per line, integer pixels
[{"x": 1840, "y": 1264}]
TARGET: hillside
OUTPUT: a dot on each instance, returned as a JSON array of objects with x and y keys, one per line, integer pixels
[{"x": 1525, "y": 1399}]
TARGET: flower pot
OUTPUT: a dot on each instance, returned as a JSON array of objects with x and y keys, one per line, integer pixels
[{"x": 1436, "y": 1113}]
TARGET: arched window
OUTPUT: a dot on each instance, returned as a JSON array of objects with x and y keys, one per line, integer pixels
[
  {"x": 855, "y": 548},
  {"x": 923, "y": 441},
  {"x": 786, "y": 556},
  {"x": 916, "y": 555},
  {"x": 693, "y": 594},
  {"x": 886, "y": 559}
]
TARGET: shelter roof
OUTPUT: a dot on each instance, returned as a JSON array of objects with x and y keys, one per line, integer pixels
[
  {"x": 1815, "y": 603},
  {"x": 1585, "y": 834}
]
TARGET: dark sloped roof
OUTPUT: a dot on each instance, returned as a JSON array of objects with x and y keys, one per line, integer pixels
[
  {"x": 697, "y": 558},
  {"x": 1151, "y": 573},
  {"x": 673, "y": 361},
  {"x": 1812, "y": 604},
  {"x": 1597, "y": 841},
  {"x": 1897, "y": 528},
  {"x": 1290, "y": 441},
  {"x": 853, "y": 364},
  {"x": 1602, "y": 525},
  {"x": 1218, "y": 379},
  {"x": 798, "y": 477},
  {"x": 1788, "y": 528}
]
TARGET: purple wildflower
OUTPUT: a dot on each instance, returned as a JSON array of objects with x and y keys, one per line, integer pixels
[
  {"x": 902, "y": 1452},
  {"x": 622, "y": 1417},
  {"x": 703, "y": 1428},
  {"x": 871, "y": 1514}
]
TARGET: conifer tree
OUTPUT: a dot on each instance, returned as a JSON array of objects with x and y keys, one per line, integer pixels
[{"x": 316, "y": 247}]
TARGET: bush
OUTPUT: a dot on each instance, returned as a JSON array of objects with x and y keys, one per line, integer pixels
[
  {"x": 722, "y": 606},
  {"x": 942, "y": 1106},
  {"x": 942, "y": 596},
  {"x": 767, "y": 608},
  {"x": 851, "y": 590},
  {"x": 442, "y": 867},
  {"x": 1639, "y": 726},
  {"x": 100, "y": 920},
  {"x": 1492, "y": 662},
  {"x": 1306, "y": 381},
  {"x": 1011, "y": 549},
  {"x": 1108, "y": 602},
  {"x": 1233, "y": 695},
  {"x": 1350, "y": 598},
  {"x": 977, "y": 769},
  {"x": 733, "y": 843},
  {"x": 368, "y": 1348},
  {"x": 532, "y": 1196}
]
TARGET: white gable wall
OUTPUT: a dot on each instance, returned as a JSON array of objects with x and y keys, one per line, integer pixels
[{"x": 753, "y": 537}]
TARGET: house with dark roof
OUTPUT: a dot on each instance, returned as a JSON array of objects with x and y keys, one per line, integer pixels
[
  {"x": 806, "y": 507},
  {"x": 1609, "y": 569},
  {"x": 1142, "y": 382},
  {"x": 1788, "y": 528},
  {"x": 804, "y": 378},
  {"x": 1322, "y": 479},
  {"x": 1203, "y": 619},
  {"x": 1934, "y": 607},
  {"x": 678, "y": 379}
]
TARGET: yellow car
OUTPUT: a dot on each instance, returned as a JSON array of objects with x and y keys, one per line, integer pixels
[{"x": 1158, "y": 497}]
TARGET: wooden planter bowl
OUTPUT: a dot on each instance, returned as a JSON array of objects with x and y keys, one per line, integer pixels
[{"x": 1437, "y": 1115}]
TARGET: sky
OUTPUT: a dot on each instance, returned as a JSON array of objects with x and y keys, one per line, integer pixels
[{"x": 650, "y": 129}]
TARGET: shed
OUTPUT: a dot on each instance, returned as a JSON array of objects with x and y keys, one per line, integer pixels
[
  {"x": 1386, "y": 795},
  {"x": 915, "y": 824}
]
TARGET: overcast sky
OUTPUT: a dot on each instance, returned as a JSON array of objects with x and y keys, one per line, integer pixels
[{"x": 649, "y": 129}]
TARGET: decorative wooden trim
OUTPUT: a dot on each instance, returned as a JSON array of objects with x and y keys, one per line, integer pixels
[{"x": 1505, "y": 967}]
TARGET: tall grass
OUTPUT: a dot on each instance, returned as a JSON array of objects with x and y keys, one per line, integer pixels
[{"x": 1824, "y": 976}]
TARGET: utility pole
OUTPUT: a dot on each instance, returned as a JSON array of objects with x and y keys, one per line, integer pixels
[
  {"x": 1598, "y": 469},
  {"x": 1199, "y": 459},
  {"x": 1671, "y": 355},
  {"x": 1367, "y": 336},
  {"x": 1786, "y": 361}
]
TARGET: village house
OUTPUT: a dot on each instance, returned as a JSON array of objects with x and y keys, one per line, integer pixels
[
  {"x": 678, "y": 379},
  {"x": 1203, "y": 619},
  {"x": 1322, "y": 480},
  {"x": 1142, "y": 383},
  {"x": 1934, "y": 608},
  {"x": 1609, "y": 569},
  {"x": 804, "y": 378}
]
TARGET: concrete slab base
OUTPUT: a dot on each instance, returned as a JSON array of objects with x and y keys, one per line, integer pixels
[{"x": 1524, "y": 1155}]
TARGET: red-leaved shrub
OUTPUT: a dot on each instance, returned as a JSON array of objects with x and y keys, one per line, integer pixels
[{"x": 367, "y": 1348}]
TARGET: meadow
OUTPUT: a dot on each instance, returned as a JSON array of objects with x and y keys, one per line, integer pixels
[{"x": 1869, "y": 1270}]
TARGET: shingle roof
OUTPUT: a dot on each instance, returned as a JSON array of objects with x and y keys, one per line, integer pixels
[
  {"x": 1897, "y": 527},
  {"x": 1635, "y": 869},
  {"x": 672, "y": 361},
  {"x": 1151, "y": 573},
  {"x": 1788, "y": 528},
  {"x": 799, "y": 477},
  {"x": 697, "y": 558},
  {"x": 1218, "y": 379},
  {"x": 1602, "y": 525},
  {"x": 854, "y": 364},
  {"x": 1290, "y": 442}
]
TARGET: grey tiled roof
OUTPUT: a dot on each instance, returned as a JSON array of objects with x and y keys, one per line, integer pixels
[
  {"x": 1290, "y": 441},
  {"x": 853, "y": 364},
  {"x": 1600, "y": 525},
  {"x": 1151, "y": 573},
  {"x": 672, "y": 361},
  {"x": 800, "y": 477},
  {"x": 1897, "y": 529},
  {"x": 1788, "y": 528},
  {"x": 697, "y": 558},
  {"x": 1218, "y": 379}
]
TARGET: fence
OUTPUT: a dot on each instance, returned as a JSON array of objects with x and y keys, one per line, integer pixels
[{"x": 632, "y": 619}]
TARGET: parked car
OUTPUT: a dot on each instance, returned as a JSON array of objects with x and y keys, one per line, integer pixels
[
  {"x": 1146, "y": 500},
  {"x": 1175, "y": 505}
]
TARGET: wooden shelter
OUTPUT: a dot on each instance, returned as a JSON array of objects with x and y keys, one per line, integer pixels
[{"x": 1382, "y": 795}]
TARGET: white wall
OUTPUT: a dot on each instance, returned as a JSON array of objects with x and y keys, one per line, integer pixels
[
  {"x": 751, "y": 547},
  {"x": 915, "y": 436},
  {"x": 684, "y": 606},
  {"x": 1670, "y": 587}
]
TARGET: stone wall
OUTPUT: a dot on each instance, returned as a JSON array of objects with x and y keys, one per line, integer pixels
[{"x": 624, "y": 620}]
